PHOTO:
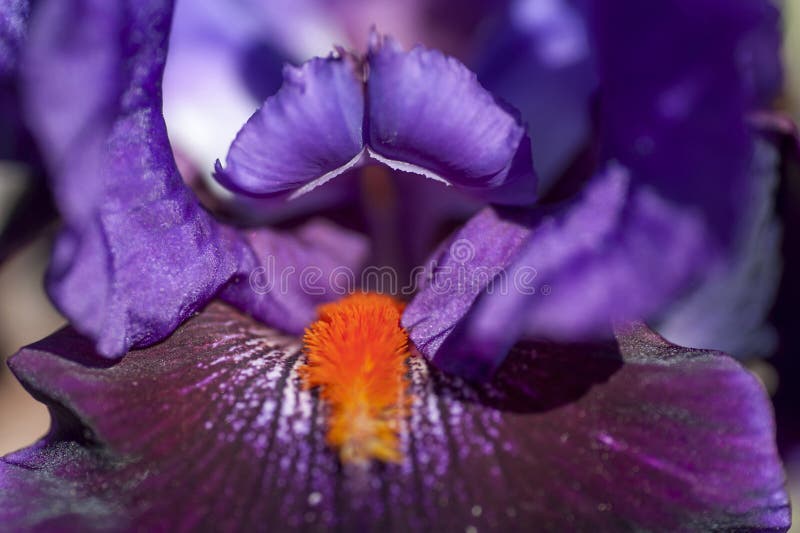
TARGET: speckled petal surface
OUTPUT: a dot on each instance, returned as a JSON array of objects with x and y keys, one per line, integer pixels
[
  {"x": 428, "y": 114},
  {"x": 211, "y": 429},
  {"x": 306, "y": 134}
]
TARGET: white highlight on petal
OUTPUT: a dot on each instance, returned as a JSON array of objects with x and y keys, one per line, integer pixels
[{"x": 407, "y": 167}]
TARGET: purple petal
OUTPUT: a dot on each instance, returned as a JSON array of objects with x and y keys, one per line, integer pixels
[
  {"x": 429, "y": 115},
  {"x": 13, "y": 28},
  {"x": 540, "y": 60},
  {"x": 211, "y": 429},
  {"x": 674, "y": 112},
  {"x": 138, "y": 254},
  {"x": 309, "y": 132},
  {"x": 729, "y": 311},
  {"x": 564, "y": 273}
]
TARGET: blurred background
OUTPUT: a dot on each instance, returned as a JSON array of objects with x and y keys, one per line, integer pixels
[{"x": 29, "y": 224}]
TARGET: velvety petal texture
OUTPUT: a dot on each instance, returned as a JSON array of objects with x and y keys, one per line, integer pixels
[
  {"x": 309, "y": 132},
  {"x": 417, "y": 111},
  {"x": 212, "y": 429}
]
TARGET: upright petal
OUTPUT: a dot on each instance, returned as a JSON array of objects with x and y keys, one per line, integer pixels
[
  {"x": 635, "y": 435},
  {"x": 428, "y": 114},
  {"x": 309, "y": 132},
  {"x": 539, "y": 58},
  {"x": 674, "y": 110},
  {"x": 137, "y": 254}
]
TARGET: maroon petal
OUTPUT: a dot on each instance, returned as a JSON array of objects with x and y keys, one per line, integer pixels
[{"x": 211, "y": 429}]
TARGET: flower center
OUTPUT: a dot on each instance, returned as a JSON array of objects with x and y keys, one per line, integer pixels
[{"x": 356, "y": 354}]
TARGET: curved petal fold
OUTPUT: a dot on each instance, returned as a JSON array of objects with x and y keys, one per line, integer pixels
[
  {"x": 429, "y": 115},
  {"x": 634, "y": 435},
  {"x": 138, "y": 254},
  {"x": 306, "y": 134}
]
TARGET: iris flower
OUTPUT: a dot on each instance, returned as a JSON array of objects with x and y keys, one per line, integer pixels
[{"x": 181, "y": 397}]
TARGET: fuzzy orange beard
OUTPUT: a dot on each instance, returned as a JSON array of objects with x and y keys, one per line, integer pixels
[{"x": 357, "y": 353}]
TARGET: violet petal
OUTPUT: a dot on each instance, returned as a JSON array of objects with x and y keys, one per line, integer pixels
[
  {"x": 306, "y": 134},
  {"x": 429, "y": 115},
  {"x": 675, "y": 113},
  {"x": 565, "y": 273},
  {"x": 212, "y": 429},
  {"x": 138, "y": 254},
  {"x": 285, "y": 276}
]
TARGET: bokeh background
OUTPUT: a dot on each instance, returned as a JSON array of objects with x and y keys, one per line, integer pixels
[{"x": 26, "y": 314}]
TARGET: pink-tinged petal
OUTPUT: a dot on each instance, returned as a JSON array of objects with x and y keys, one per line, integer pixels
[
  {"x": 212, "y": 429},
  {"x": 309, "y": 132},
  {"x": 428, "y": 114}
]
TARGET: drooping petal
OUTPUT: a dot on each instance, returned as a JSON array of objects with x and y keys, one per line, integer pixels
[
  {"x": 644, "y": 436},
  {"x": 565, "y": 273},
  {"x": 309, "y": 132},
  {"x": 428, "y": 114}
]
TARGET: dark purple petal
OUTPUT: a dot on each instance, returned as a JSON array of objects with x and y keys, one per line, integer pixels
[
  {"x": 212, "y": 430},
  {"x": 285, "y": 276},
  {"x": 565, "y": 273},
  {"x": 539, "y": 59},
  {"x": 309, "y": 132},
  {"x": 429, "y": 115},
  {"x": 137, "y": 255},
  {"x": 729, "y": 311},
  {"x": 15, "y": 140},
  {"x": 674, "y": 111},
  {"x": 13, "y": 28}
]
